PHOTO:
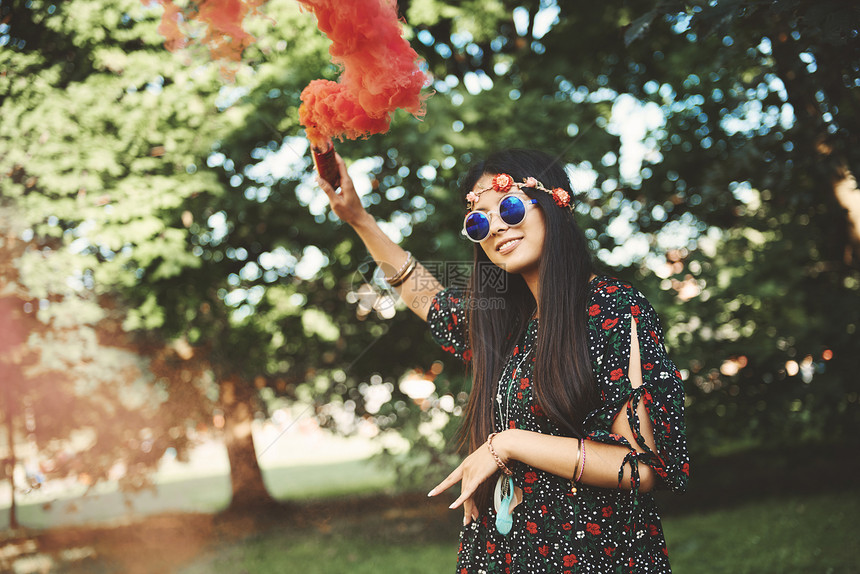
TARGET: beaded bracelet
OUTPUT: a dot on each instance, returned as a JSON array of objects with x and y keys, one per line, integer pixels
[
  {"x": 499, "y": 462},
  {"x": 402, "y": 279},
  {"x": 400, "y": 271}
]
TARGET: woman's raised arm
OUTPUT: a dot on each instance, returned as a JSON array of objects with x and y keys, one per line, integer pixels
[{"x": 421, "y": 286}]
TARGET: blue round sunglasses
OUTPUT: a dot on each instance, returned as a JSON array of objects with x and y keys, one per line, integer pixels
[{"x": 512, "y": 210}]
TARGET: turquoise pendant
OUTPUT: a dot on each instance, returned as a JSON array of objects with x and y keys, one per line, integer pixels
[{"x": 503, "y": 496}]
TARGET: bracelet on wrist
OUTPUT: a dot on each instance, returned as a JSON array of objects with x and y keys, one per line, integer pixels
[
  {"x": 580, "y": 466},
  {"x": 402, "y": 279},
  {"x": 397, "y": 275},
  {"x": 505, "y": 470}
]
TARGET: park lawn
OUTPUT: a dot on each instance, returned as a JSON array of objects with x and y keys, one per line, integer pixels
[
  {"x": 796, "y": 533},
  {"x": 790, "y": 534}
]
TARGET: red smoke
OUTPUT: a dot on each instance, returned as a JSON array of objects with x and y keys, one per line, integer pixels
[
  {"x": 380, "y": 72},
  {"x": 221, "y": 22}
]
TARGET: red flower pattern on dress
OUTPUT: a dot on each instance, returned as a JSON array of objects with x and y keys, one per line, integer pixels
[
  {"x": 605, "y": 538},
  {"x": 524, "y": 383},
  {"x": 502, "y": 182},
  {"x": 490, "y": 547},
  {"x": 616, "y": 374},
  {"x": 544, "y": 550}
]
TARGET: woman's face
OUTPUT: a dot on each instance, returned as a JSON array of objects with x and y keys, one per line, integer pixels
[{"x": 514, "y": 249}]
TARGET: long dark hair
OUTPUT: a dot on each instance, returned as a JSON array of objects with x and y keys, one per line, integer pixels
[{"x": 563, "y": 384}]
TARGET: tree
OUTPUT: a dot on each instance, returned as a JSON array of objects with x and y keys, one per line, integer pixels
[
  {"x": 91, "y": 163},
  {"x": 183, "y": 200}
]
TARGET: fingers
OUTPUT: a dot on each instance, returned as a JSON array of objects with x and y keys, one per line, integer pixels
[
  {"x": 449, "y": 481},
  {"x": 470, "y": 511},
  {"x": 325, "y": 186},
  {"x": 341, "y": 165},
  {"x": 464, "y": 496},
  {"x": 345, "y": 180}
]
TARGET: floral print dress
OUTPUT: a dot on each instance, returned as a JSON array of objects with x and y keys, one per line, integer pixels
[{"x": 596, "y": 529}]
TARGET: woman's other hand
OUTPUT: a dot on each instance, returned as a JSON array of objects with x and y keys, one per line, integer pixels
[{"x": 472, "y": 472}]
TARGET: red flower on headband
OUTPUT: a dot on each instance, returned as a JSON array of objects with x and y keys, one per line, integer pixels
[
  {"x": 561, "y": 197},
  {"x": 502, "y": 182}
]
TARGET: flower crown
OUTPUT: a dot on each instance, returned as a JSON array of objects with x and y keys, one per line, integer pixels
[{"x": 503, "y": 183}]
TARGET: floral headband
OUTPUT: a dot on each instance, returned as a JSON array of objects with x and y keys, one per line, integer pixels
[{"x": 503, "y": 183}]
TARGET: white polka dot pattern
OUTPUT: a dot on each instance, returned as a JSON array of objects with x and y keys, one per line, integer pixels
[{"x": 597, "y": 530}]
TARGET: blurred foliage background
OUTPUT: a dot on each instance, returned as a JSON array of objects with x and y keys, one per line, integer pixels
[{"x": 167, "y": 261}]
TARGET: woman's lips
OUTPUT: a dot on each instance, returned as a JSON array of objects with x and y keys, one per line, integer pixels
[{"x": 508, "y": 245}]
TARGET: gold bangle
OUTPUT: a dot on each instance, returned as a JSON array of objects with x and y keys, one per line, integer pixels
[
  {"x": 580, "y": 463},
  {"x": 402, "y": 279},
  {"x": 400, "y": 271}
]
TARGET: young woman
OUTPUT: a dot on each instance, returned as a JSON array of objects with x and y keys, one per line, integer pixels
[{"x": 576, "y": 412}]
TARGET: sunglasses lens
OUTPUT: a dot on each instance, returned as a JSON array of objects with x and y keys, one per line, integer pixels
[
  {"x": 512, "y": 210},
  {"x": 477, "y": 226}
]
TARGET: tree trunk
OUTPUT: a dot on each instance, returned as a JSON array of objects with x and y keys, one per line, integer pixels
[
  {"x": 248, "y": 489},
  {"x": 11, "y": 461}
]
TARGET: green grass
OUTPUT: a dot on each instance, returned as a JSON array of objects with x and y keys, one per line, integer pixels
[
  {"x": 325, "y": 480},
  {"x": 785, "y": 535},
  {"x": 204, "y": 494},
  {"x": 321, "y": 555},
  {"x": 404, "y": 535},
  {"x": 796, "y": 533}
]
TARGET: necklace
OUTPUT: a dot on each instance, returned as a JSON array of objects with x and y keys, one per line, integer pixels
[
  {"x": 505, "y": 416},
  {"x": 504, "y": 492}
]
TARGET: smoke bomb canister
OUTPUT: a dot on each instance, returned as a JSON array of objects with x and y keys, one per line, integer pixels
[{"x": 326, "y": 165}]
